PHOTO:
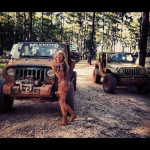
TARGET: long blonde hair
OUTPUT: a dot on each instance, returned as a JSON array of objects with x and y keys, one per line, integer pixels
[{"x": 64, "y": 56}]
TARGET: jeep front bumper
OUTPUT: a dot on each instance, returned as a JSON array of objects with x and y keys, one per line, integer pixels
[
  {"x": 132, "y": 81},
  {"x": 27, "y": 90}
]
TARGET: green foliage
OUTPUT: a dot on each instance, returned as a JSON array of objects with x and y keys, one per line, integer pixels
[
  {"x": 2, "y": 65},
  {"x": 73, "y": 28}
]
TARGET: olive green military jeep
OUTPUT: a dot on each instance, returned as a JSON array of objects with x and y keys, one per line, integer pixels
[
  {"x": 30, "y": 77},
  {"x": 116, "y": 69}
]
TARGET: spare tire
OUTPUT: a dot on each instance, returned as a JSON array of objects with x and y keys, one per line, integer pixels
[
  {"x": 144, "y": 88},
  {"x": 74, "y": 77}
]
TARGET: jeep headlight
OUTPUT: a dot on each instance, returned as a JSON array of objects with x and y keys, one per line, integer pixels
[
  {"x": 142, "y": 71},
  {"x": 121, "y": 71},
  {"x": 50, "y": 73},
  {"x": 11, "y": 72}
]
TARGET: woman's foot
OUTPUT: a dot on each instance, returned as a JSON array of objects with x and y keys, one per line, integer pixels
[
  {"x": 72, "y": 118},
  {"x": 62, "y": 123}
]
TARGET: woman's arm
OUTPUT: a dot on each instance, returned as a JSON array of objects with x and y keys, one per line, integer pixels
[
  {"x": 59, "y": 74},
  {"x": 55, "y": 71}
]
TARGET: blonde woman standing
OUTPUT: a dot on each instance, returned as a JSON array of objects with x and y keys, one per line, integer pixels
[{"x": 61, "y": 68}]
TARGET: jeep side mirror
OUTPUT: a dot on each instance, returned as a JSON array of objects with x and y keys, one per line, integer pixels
[{"x": 19, "y": 49}]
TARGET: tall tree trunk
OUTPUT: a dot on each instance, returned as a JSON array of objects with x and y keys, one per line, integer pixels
[
  {"x": 85, "y": 22},
  {"x": 143, "y": 40},
  {"x": 8, "y": 18},
  {"x": 81, "y": 38},
  {"x": 80, "y": 34},
  {"x": 24, "y": 27},
  {"x": 140, "y": 31},
  {"x": 121, "y": 46},
  {"x": 62, "y": 28},
  {"x": 80, "y": 41},
  {"x": 91, "y": 44},
  {"x": 30, "y": 27},
  {"x": 15, "y": 27},
  {"x": 103, "y": 32},
  {"x": 72, "y": 36},
  {"x": 41, "y": 38},
  {"x": 33, "y": 27},
  {"x": 86, "y": 46},
  {"x": 51, "y": 37}
]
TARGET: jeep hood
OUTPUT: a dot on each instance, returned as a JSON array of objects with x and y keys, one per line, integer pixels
[
  {"x": 31, "y": 62},
  {"x": 124, "y": 65}
]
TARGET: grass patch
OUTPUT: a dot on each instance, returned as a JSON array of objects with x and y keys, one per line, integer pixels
[
  {"x": 2, "y": 62},
  {"x": 2, "y": 66}
]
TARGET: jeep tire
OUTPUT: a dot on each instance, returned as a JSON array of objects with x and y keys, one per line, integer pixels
[
  {"x": 74, "y": 76},
  {"x": 6, "y": 102},
  {"x": 144, "y": 88},
  {"x": 70, "y": 96},
  {"x": 96, "y": 76},
  {"x": 109, "y": 83}
]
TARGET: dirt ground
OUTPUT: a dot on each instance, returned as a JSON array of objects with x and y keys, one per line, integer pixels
[{"x": 125, "y": 114}]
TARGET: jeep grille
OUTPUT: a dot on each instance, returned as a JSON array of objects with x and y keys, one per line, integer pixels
[
  {"x": 33, "y": 73},
  {"x": 132, "y": 72}
]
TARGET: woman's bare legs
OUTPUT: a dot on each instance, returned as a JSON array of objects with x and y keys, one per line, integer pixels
[
  {"x": 73, "y": 116},
  {"x": 64, "y": 108},
  {"x": 62, "y": 97}
]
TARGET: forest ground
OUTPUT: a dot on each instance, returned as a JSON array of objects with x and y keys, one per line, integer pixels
[{"x": 124, "y": 114}]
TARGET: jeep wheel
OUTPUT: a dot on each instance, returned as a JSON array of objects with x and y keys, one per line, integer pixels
[
  {"x": 109, "y": 83},
  {"x": 144, "y": 88},
  {"x": 70, "y": 96},
  {"x": 140, "y": 89},
  {"x": 74, "y": 76},
  {"x": 6, "y": 102},
  {"x": 96, "y": 76}
]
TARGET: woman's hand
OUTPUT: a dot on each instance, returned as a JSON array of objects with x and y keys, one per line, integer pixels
[
  {"x": 55, "y": 71},
  {"x": 53, "y": 67}
]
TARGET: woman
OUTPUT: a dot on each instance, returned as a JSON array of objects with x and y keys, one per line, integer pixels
[{"x": 60, "y": 68}]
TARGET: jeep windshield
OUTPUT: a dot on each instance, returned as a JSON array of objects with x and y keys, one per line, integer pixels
[
  {"x": 120, "y": 57},
  {"x": 38, "y": 50}
]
